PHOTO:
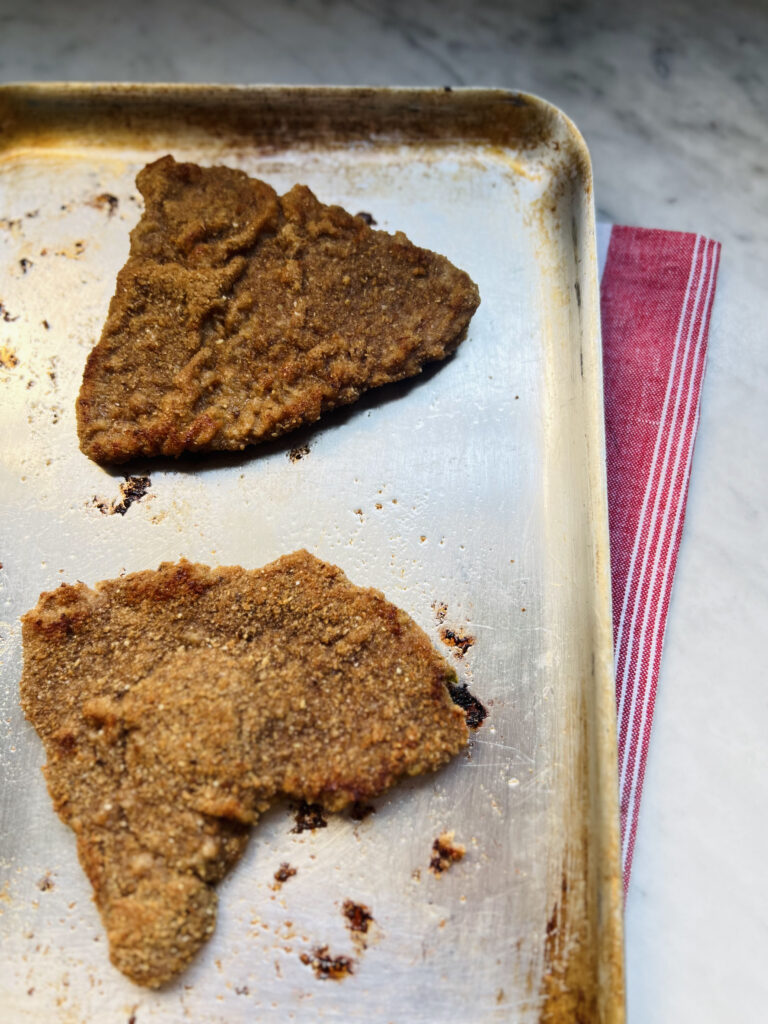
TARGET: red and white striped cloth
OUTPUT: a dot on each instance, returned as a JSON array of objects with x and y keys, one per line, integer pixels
[{"x": 657, "y": 289}]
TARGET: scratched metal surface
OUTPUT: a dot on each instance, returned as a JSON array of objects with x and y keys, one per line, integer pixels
[{"x": 478, "y": 486}]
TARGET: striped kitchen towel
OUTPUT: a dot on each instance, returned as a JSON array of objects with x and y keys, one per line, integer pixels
[{"x": 656, "y": 289}]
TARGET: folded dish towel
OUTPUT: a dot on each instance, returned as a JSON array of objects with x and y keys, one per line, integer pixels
[{"x": 657, "y": 289}]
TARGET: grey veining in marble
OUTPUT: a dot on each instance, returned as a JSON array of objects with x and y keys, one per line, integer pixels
[{"x": 673, "y": 101}]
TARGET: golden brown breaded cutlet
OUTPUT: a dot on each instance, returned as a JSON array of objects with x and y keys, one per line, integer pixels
[
  {"x": 174, "y": 705},
  {"x": 241, "y": 315}
]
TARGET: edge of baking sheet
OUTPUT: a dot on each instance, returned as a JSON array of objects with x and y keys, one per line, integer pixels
[{"x": 95, "y": 115}]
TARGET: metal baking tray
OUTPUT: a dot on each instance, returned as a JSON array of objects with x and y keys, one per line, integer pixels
[{"x": 474, "y": 494}]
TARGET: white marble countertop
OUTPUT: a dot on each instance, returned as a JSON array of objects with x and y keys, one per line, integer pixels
[{"x": 674, "y": 106}]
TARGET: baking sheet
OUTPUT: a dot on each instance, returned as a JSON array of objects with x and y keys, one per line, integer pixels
[{"x": 477, "y": 488}]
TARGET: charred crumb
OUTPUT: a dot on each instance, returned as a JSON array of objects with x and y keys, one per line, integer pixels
[
  {"x": 32, "y": 213},
  {"x": 474, "y": 711},
  {"x": 5, "y": 314},
  {"x": 45, "y": 884},
  {"x": 358, "y": 916},
  {"x": 25, "y": 264},
  {"x": 445, "y": 853},
  {"x": 298, "y": 453},
  {"x": 326, "y": 966},
  {"x": 447, "y": 88},
  {"x": 367, "y": 217},
  {"x": 360, "y": 811},
  {"x": 308, "y": 816},
  {"x": 460, "y": 642},
  {"x": 31, "y": 991},
  {"x": 9, "y": 224},
  {"x": 440, "y": 609},
  {"x": 134, "y": 489},
  {"x": 284, "y": 872},
  {"x": 46, "y": 325},
  {"x": 243, "y": 990},
  {"x": 8, "y": 357}
]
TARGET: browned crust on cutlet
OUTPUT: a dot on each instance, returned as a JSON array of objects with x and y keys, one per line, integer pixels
[
  {"x": 175, "y": 705},
  {"x": 241, "y": 315}
]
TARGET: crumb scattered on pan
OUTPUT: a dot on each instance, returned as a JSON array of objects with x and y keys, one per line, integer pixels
[
  {"x": 474, "y": 711},
  {"x": 8, "y": 357},
  {"x": 134, "y": 489},
  {"x": 441, "y": 610},
  {"x": 45, "y": 884},
  {"x": 5, "y": 314},
  {"x": 460, "y": 642},
  {"x": 105, "y": 201},
  {"x": 298, "y": 453},
  {"x": 308, "y": 817},
  {"x": 367, "y": 217},
  {"x": 445, "y": 853},
  {"x": 284, "y": 872},
  {"x": 25, "y": 265},
  {"x": 326, "y": 966}
]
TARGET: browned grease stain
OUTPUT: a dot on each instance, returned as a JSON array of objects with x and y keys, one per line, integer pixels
[
  {"x": 568, "y": 989},
  {"x": 445, "y": 853},
  {"x": 326, "y": 966}
]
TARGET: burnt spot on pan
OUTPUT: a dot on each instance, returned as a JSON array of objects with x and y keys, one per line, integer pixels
[
  {"x": 474, "y": 710},
  {"x": 460, "y": 642},
  {"x": 367, "y": 217},
  {"x": 308, "y": 817},
  {"x": 134, "y": 489},
  {"x": 445, "y": 853},
  {"x": 326, "y": 966}
]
